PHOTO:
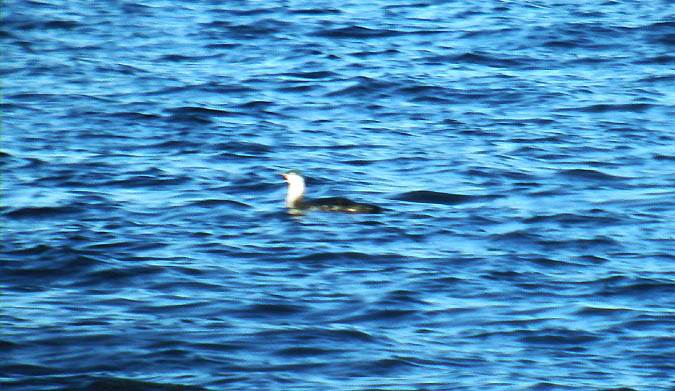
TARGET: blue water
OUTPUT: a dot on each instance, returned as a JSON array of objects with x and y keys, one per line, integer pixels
[{"x": 524, "y": 152}]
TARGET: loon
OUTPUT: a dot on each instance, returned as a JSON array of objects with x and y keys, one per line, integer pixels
[{"x": 296, "y": 203}]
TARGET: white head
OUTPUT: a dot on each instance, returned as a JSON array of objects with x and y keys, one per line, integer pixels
[{"x": 296, "y": 187}]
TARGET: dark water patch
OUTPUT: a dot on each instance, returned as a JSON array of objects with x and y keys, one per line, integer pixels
[
  {"x": 194, "y": 308},
  {"x": 7, "y": 346},
  {"x": 401, "y": 297},
  {"x": 454, "y": 122},
  {"x": 11, "y": 108},
  {"x": 118, "y": 384},
  {"x": 124, "y": 69},
  {"x": 91, "y": 323},
  {"x": 133, "y": 116},
  {"x": 315, "y": 11},
  {"x": 333, "y": 336},
  {"x": 184, "y": 58},
  {"x": 115, "y": 276},
  {"x": 50, "y": 264},
  {"x": 665, "y": 59},
  {"x": 256, "y": 105},
  {"x": 211, "y": 203},
  {"x": 357, "y": 32},
  {"x": 591, "y": 175},
  {"x": 187, "y": 286},
  {"x": 216, "y": 88},
  {"x": 6, "y": 35},
  {"x": 55, "y": 24},
  {"x": 422, "y": 89},
  {"x": 549, "y": 262},
  {"x": 333, "y": 146},
  {"x": 506, "y": 276},
  {"x": 591, "y": 217},
  {"x": 142, "y": 181},
  {"x": 364, "y": 86},
  {"x": 258, "y": 369},
  {"x": 648, "y": 322},
  {"x": 598, "y": 243},
  {"x": 591, "y": 259},
  {"x": 218, "y": 347},
  {"x": 170, "y": 90},
  {"x": 384, "y": 316},
  {"x": 374, "y": 53},
  {"x": 444, "y": 282},
  {"x": 253, "y": 11},
  {"x": 347, "y": 256},
  {"x": 109, "y": 245},
  {"x": 298, "y": 88},
  {"x": 560, "y": 338},
  {"x": 37, "y": 249},
  {"x": 237, "y": 147},
  {"x": 662, "y": 33},
  {"x": 609, "y": 108},
  {"x": 307, "y": 351},
  {"x": 194, "y": 111},
  {"x": 42, "y": 212},
  {"x": 42, "y": 99},
  {"x": 485, "y": 59},
  {"x": 223, "y": 46},
  {"x": 520, "y": 237},
  {"x": 260, "y": 29},
  {"x": 538, "y": 140},
  {"x": 638, "y": 288},
  {"x": 587, "y": 34},
  {"x": 432, "y": 99},
  {"x": 189, "y": 119},
  {"x": 487, "y": 32},
  {"x": 563, "y": 44},
  {"x": 311, "y": 75},
  {"x": 435, "y": 197},
  {"x": 603, "y": 311},
  {"x": 360, "y": 163},
  {"x": 658, "y": 78},
  {"x": 391, "y": 366},
  {"x": 177, "y": 146},
  {"x": 661, "y": 157},
  {"x": 590, "y": 61},
  {"x": 423, "y": 93},
  {"x": 275, "y": 309},
  {"x": 29, "y": 370}
]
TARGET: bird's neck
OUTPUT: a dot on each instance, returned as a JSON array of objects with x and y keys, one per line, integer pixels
[{"x": 294, "y": 195}]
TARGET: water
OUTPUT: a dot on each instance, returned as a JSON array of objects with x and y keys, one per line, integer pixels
[{"x": 524, "y": 152}]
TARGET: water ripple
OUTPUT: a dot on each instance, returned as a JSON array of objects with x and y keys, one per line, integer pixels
[{"x": 522, "y": 153}]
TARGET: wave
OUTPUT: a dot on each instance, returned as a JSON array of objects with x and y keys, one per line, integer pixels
[
  {"x": 611, "y": 107},
  {"x": 591, "y": 175},
  {"x": 115, "y": 383},
  {"x": 361, "y": 32},
  {"x": 42, "y": 212},
  {"x": 434, "y": 197}
]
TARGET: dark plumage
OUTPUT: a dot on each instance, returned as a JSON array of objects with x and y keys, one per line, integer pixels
[{"x": 295, "y": 199}]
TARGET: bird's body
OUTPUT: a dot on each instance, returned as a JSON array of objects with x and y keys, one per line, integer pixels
[{"x": 296, "y": 202}]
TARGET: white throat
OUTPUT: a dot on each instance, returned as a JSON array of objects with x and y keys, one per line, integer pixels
[{"x": 296, "y": 189}]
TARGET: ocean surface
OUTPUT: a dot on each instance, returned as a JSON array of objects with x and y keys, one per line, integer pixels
[{"x": 524, "y": 153}]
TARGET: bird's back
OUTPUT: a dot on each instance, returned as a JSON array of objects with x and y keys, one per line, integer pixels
[{"x": 340, "y": 204}]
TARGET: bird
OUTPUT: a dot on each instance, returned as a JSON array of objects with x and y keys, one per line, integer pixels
[{"x": 296, "y": 203}]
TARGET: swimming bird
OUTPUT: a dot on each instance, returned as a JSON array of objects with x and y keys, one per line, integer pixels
[{"x": 296, "y": 203}]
